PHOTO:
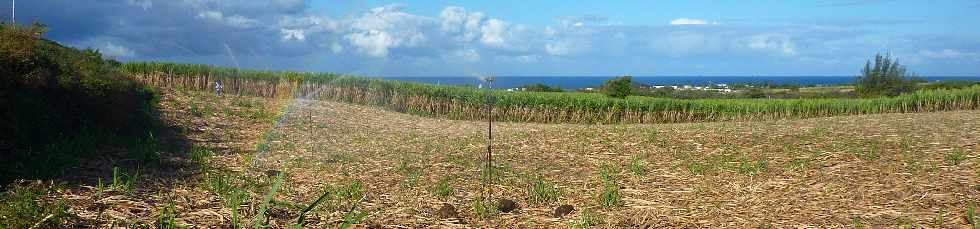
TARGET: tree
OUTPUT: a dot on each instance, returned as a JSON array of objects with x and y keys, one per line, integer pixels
[
  {"x": 619, "y": 87},
  {"x": 884, "y": 78},
  {"x": 541, "y": 88}
]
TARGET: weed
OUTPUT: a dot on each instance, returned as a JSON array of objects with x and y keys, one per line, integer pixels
[
  {"x": 541, "y": 191},
  {"x": 234, "y": 201},
  {"x": 262, "y": 147},
  {"x": 302, "y": 215},
  {"x": 933, "y": 167},
  {"x": 856, "y": 221},
  {"x": 24, "y": 206},
  {"x": 221, "y": 185},
  {"x": 168, "y": 217},
  {"x": 200, "y": 156},
  {"x": 145, "y": 150},
  {"x": 610, "y": 192},
  {"x": 638, "y": 166},
  {"x": 955, "y": 157},
  {"x": 122, "y": 182},
  {"x": 698, "y": 168},
  {"x": 341, "y": 157},
  {"x": 405, "y": 164},
  {"x": 351, "y": 192},
  {"x": 869, "y": 154},
  {"x": 971, "y": 215},
  {"x": 491, "y": 175},
  {"x": 443, "y": 189},
  {"x": 261, "y": 219},
  {"x": 99, "y": 189},
  {"x": 413, "y": 179},
  {"x": 652, "y": 134},
  {"x": 462, "y": 161},
  {"x": 907, "y": 145},
  {"x": 482, "y": 209},
  {"x": 587, "y": 219},
  {"x": 353, "y": 217},
  {"x": 749, "y": 168},
  {"x": 799, "y": 164}
]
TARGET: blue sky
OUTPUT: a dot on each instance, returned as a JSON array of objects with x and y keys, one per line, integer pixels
[{"x": 569, "y": 38}]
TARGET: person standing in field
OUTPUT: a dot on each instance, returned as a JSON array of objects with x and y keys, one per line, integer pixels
[{"x": 217, "y": 87}]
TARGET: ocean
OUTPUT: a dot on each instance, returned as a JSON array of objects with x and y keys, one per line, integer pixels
[{"x": 577, "y": 82}]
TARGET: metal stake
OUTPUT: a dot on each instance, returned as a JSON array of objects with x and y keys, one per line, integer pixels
[{"x": 490, "y": 137}]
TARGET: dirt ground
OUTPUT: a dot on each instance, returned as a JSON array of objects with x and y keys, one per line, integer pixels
[{"x": 881, "y": 170}]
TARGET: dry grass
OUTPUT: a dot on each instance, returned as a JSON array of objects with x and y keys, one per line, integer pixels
[
  {"x": 881, "y": 170},
  {"x": 814, "y": 172}
]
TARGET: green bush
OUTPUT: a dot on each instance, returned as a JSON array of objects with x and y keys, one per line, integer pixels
[
  {"x": 541, "y": 88},
  {"x": 61, "y": 104},
  {"x": 619, "y": 87}
]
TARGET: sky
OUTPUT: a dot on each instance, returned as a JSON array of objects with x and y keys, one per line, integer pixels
[{"x": 524, "y": 38}]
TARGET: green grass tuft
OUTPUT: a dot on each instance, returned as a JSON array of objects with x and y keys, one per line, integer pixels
[
  {"x": 955, "y": 157},
  {"x": 443, "y": 189},
  {"x": 541, "y": 191},
  {"x": 610, "y": 189}
]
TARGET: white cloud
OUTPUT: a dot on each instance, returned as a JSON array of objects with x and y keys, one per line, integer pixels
[
  {"x": 309, "y": 23},
  {"x": 945, "y": 54},
  {"x": 336, "y": 48},
  {"x": 691, "y": 21},
  {"x": 387, "y": 27},
  {"x": 567, "y": 46},
  {"x": 470, "y": 55},
  {"x": 113, "y": 50},
  {"x": 292, "y": 34},
  {"x": 777, "y": 42},
  {"x": 494, "y": 33},
  {"x": 680, "y": 43},
  {"x": 464, "y": 26},
  {"x": 237, "y": 21}
]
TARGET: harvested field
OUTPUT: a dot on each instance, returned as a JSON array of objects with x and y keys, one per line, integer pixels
[
  {"x": 382, "y": 168},
  {"x": 877, "y": 170}
]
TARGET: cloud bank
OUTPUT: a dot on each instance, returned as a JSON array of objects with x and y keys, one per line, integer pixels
[{"x": 388, "y": 40}]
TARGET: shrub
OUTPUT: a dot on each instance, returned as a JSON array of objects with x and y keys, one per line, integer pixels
[
  {"x": 62, "y": 104},
  {"x": 884, "y": 78},
  {"x": 619, "y": 87},
  {"x": 541, "y": 88}
]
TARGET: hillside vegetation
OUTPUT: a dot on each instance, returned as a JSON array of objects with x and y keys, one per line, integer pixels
[{"x": 61, "y": 104}]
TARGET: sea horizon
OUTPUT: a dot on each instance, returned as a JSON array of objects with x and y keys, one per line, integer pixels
[{"x": 578, "y": 82}]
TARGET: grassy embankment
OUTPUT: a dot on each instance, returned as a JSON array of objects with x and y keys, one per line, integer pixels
[
  {"x": 547, "y": 107},
  {"x": 62, "y": 106}
]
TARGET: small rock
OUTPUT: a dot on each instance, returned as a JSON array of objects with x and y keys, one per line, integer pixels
[
  {"x": 272, "y": 173},
  {"x": 505, "y": 205},
  {"x": 563, "y": 210},
  {"x": 446, "y": 211}
]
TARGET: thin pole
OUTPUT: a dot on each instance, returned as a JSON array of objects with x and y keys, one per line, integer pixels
[
  {"x": 490, "y": 138},
  {"x": 13, "y": 11}
]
